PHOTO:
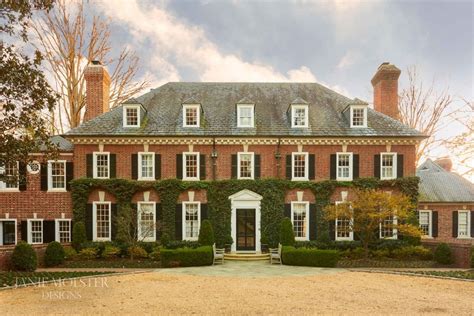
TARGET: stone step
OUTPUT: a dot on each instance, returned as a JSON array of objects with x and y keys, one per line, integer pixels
[{"x": 246, "y": 256}]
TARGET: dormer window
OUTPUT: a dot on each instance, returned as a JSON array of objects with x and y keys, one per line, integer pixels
[
  {"x": 191, "y": 115},
  {"x": 245, "y": 115},
  {"x": 358, "y": 116},
  {"x": 299, "y": 115},
  {"x": 131, "y": 116}
]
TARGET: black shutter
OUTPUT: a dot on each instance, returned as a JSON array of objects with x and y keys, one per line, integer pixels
[
  {"x": 472, "y": 225},
  {"x": 332, "y": 229},
  {"x": 88, "y": 222},
  {"x": 49, "y": 233},
  {"x": 24, "y": 231},
  {"x": 134, "y": 166},
  {"x": 179, "y": 166},
  {"x": 377, "y": 166},
  {"x": 233, "y": 164},
  {"x": 22, "y": 176},
  {"x": 455, "y": 224},
  {"x": 287, "y": 211},
  {"x": 333, "y": 171},
  {"x": 288, "y": 167},
  {"x": 399, "y": 166},
  {"x": 159, "y": 217},
  {"x": 113, "y": 166},
  {"x": 134, "y": 223},
  {"x": 312, "y": 222},
  {"x": 157, "y": 166},
  {"x": 434, "y": 224},
  {"x": 257, "y": 167},
  {"x": 44, "y": 177},
  {"x": 202, "y": 167},
  {"x": 69, "y": 174},
  {"x": 355, "y": 166},
  {"x": 113, "y": 220},
  {"x": 179, "y": 222},
  {"x": 312, "y": 167},
  {"x": 89, "y": 166},
  {"x": 204, "y": 214}
]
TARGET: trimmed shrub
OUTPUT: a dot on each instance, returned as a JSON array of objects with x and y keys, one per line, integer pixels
[
  {"x": 388, "y": 244},
  {"x": 24, "y": 257},
  {"x": 412, "y": 252},
  {"x": 137, "y": 252},
  {"x": 110, "y": 251},
  {"x": 443, "y": 254},
  {"x": 165, "y": 239},
  {"x": 69, "y": 253},
  {"x": 54, "y": 254},
  {"x": 175, "y": 244},
  {"x": 309, "y": 257},
  {"x": 380, "y": 253},
  {"x": 148, "y": 246},
  {"x": 78, "y": 235},
  {"x": 155, "y": 255},
  {"x": 88, "y": 253},
  {"x": 206, "y": 233},
  {"x": 287, "y": 235},
  {"x": 186, "y": 257}
]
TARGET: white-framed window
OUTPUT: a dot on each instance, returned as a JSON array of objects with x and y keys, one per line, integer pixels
[
  {"x": 10, "y": 171},
  {"x": 425, "y": 218},
  {"x": 8, "y": 231},
  {"x": 299, "y": 116},
  {"x": 344, "y": 166},
  {"x": 101, "y": 162},
  {"x": 464, "y": 224},
  {"x": 388, "y": 166},
  {"x": 56, "y": 175},
  {"x": 191, "y": 115},
  {"x": 146, "y": 166},
  {"x": 387, "y": 228},
  {"x": 191, "y": 166},
  {"x": 358, "y": 116},
  {"x": 35, "y": 231},
  {"x": 146, "y": 221},
  {"x": 245, "y": 165},
  {"x": 102, "y": 221},
  {"x": 343, "y": 227},
  {"x": 191, "y": 220},
  {"x": 131, "y": 116},
  {"x": 62, "y": 230},
  {"x": 245, "y": 115},
  {"x": 300, "y": 220},
  {"x": 299, "y": 166}
]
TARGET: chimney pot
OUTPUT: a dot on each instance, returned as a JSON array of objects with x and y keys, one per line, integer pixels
[{"x": 385, "y": 83}]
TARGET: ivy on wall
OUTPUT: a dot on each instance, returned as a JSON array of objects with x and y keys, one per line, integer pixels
[{"x": 219, "y": 207}]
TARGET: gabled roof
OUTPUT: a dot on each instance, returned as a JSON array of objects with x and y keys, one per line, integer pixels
[
  {"x": 439, "y": 185},
  {"x": 271, "y": 118},
  {"x": 245, "y": 100},
  {"x": 298, "y": 100},
  {"x": 191, "y": 100},
  {"x": 62, "y": 143}
]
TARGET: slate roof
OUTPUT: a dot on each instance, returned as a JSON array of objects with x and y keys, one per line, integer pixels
[
  {"x": 439, "y": 185},
  {"x": 62, "y": 143},
  {"x": 218, "y": 101}
]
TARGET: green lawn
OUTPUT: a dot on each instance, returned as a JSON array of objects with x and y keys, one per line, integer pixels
[
  {"x": 115, "y": 263},
  {"x": 23, "y": 278},
  {"x": 371, "y": 263},
  {"x": 469, "y": 275}
]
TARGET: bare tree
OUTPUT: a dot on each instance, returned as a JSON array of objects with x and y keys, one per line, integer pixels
[{"x": 69, "y": 40}]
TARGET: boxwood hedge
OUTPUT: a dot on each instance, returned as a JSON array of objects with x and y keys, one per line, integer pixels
[
  {"x": 309, "y": 257},
  {"x": 186, "y": 257}
]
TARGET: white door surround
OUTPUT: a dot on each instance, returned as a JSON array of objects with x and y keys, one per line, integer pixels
[{"x": 245, "y": 199}]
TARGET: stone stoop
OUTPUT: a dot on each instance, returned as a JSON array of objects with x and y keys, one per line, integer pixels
[{"x": 247, "y": 256}]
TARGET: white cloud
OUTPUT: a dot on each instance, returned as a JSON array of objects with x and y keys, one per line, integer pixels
[{"x": 347, "y": 60}]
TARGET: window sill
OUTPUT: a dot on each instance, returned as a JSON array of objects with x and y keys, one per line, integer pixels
[
  {"x": 9, "y": 190},
  {"x": 191, "y": 126},
  {"x": 191, "y": 239},
  {"x": 56, "y": 190},
  {"x": 343, "y": 179},
  {"x": 301, "y": 239},
  {"x": 358, "y": 126},
  {"x": 146, "y": 179},
  {"x": 299, "y": 179},
  {"x": 464, "y": 237},
  {"x": 427, "y": 237},
  {"x": 101, "y": 178},
  {"x": 190, "y": 179},
  {"x": 102, "y": 239},
  {"x": 245, "y": 178},
  {"x": 344, "y": 239}
]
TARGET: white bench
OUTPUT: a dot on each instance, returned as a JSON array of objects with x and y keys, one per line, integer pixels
[
  {"x": 275, "y": 254},
  {"x": 218, "y": 254}
]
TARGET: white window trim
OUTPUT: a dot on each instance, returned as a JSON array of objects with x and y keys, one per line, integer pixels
[
  {"x": 198, "y": 173},
  {"x": 125, "y": 107},
  {"x": 468, "y": 224},
  {"x": 50, "y": 176},
  {"x": 94, "y": 167},
  {"x": 394, "y": 230},
  {"x": 252, "y": 120},
  {"x": 184, "y": 220},
  {"x": 252, "y": 162},
  {"x": 430, "y": 222},
  {"x": 29, "y": 232},
  {"x": 140, "y": 166},
  {"x": 294, "y": 107},
  {"x": 351, "y": 162},
  {"x": 94, "y": 221},
  {"x": 139, "y": 232},
  {"x": 306, "y": 219},
  {"x": 351, "y": 233},
  {"x": 17, "y": 188},
  {"x": 16, "y": 230},
  {"x": 198, "y": 111},
  {"x": 394, "y": 173},
  {"x": 56, "y": 228},
  {"x": 306, "y": 169},
  {"x": 365, "y": 116}
]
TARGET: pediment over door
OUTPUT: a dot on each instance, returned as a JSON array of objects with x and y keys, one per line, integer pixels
[{"x": 245, "y": 195}]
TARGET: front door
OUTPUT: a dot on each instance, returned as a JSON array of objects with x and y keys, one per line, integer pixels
[{"x": 245, "y": 229}]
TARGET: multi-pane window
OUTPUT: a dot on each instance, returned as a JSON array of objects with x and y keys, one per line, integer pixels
[
  {"x": 358, "y": 117},
  {"x": 245, "y": 115},
  {"x": 57, "y": 175},
  {"x": 388, "y": 166},
  {"x": 10, "y": 173},
  {"x": 146, "y": 163},
  {"x": 191, "y": 115},
  {"x": 35, "y": 229},
  {"x": 299, "y": 166},
  {"x": 463, "y": 224},
  {"x": 191, "y": 166},
  {"x": 299, "y": 116},
  {"x": 343, "y": 227},
  {"x": 102, "y": 219},
  {"x": 299, "y": 217},
  {"x": 245, "y": 165},
  {"x": 146, "y": 222},
  {"x": 131, "y": 116},
  {"x": 387, "y": 227},
  {"x": 425, "y": 222},
  {"x": 63, "y": 230},
  {"x": 191, "y": 221},
  {"x": 101, "y": 165},
  {"x": 344, "y": 166},
  {"x": 7, "y": 232}
]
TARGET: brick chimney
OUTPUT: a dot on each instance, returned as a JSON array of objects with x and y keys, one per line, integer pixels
[
  {"x": 445, "y": 163},
  {"x": 385, "y": 83},
  {"x": 97, "y": 90}
]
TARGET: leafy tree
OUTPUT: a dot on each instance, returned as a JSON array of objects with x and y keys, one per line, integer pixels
[{"x": 371, "y": 209}]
